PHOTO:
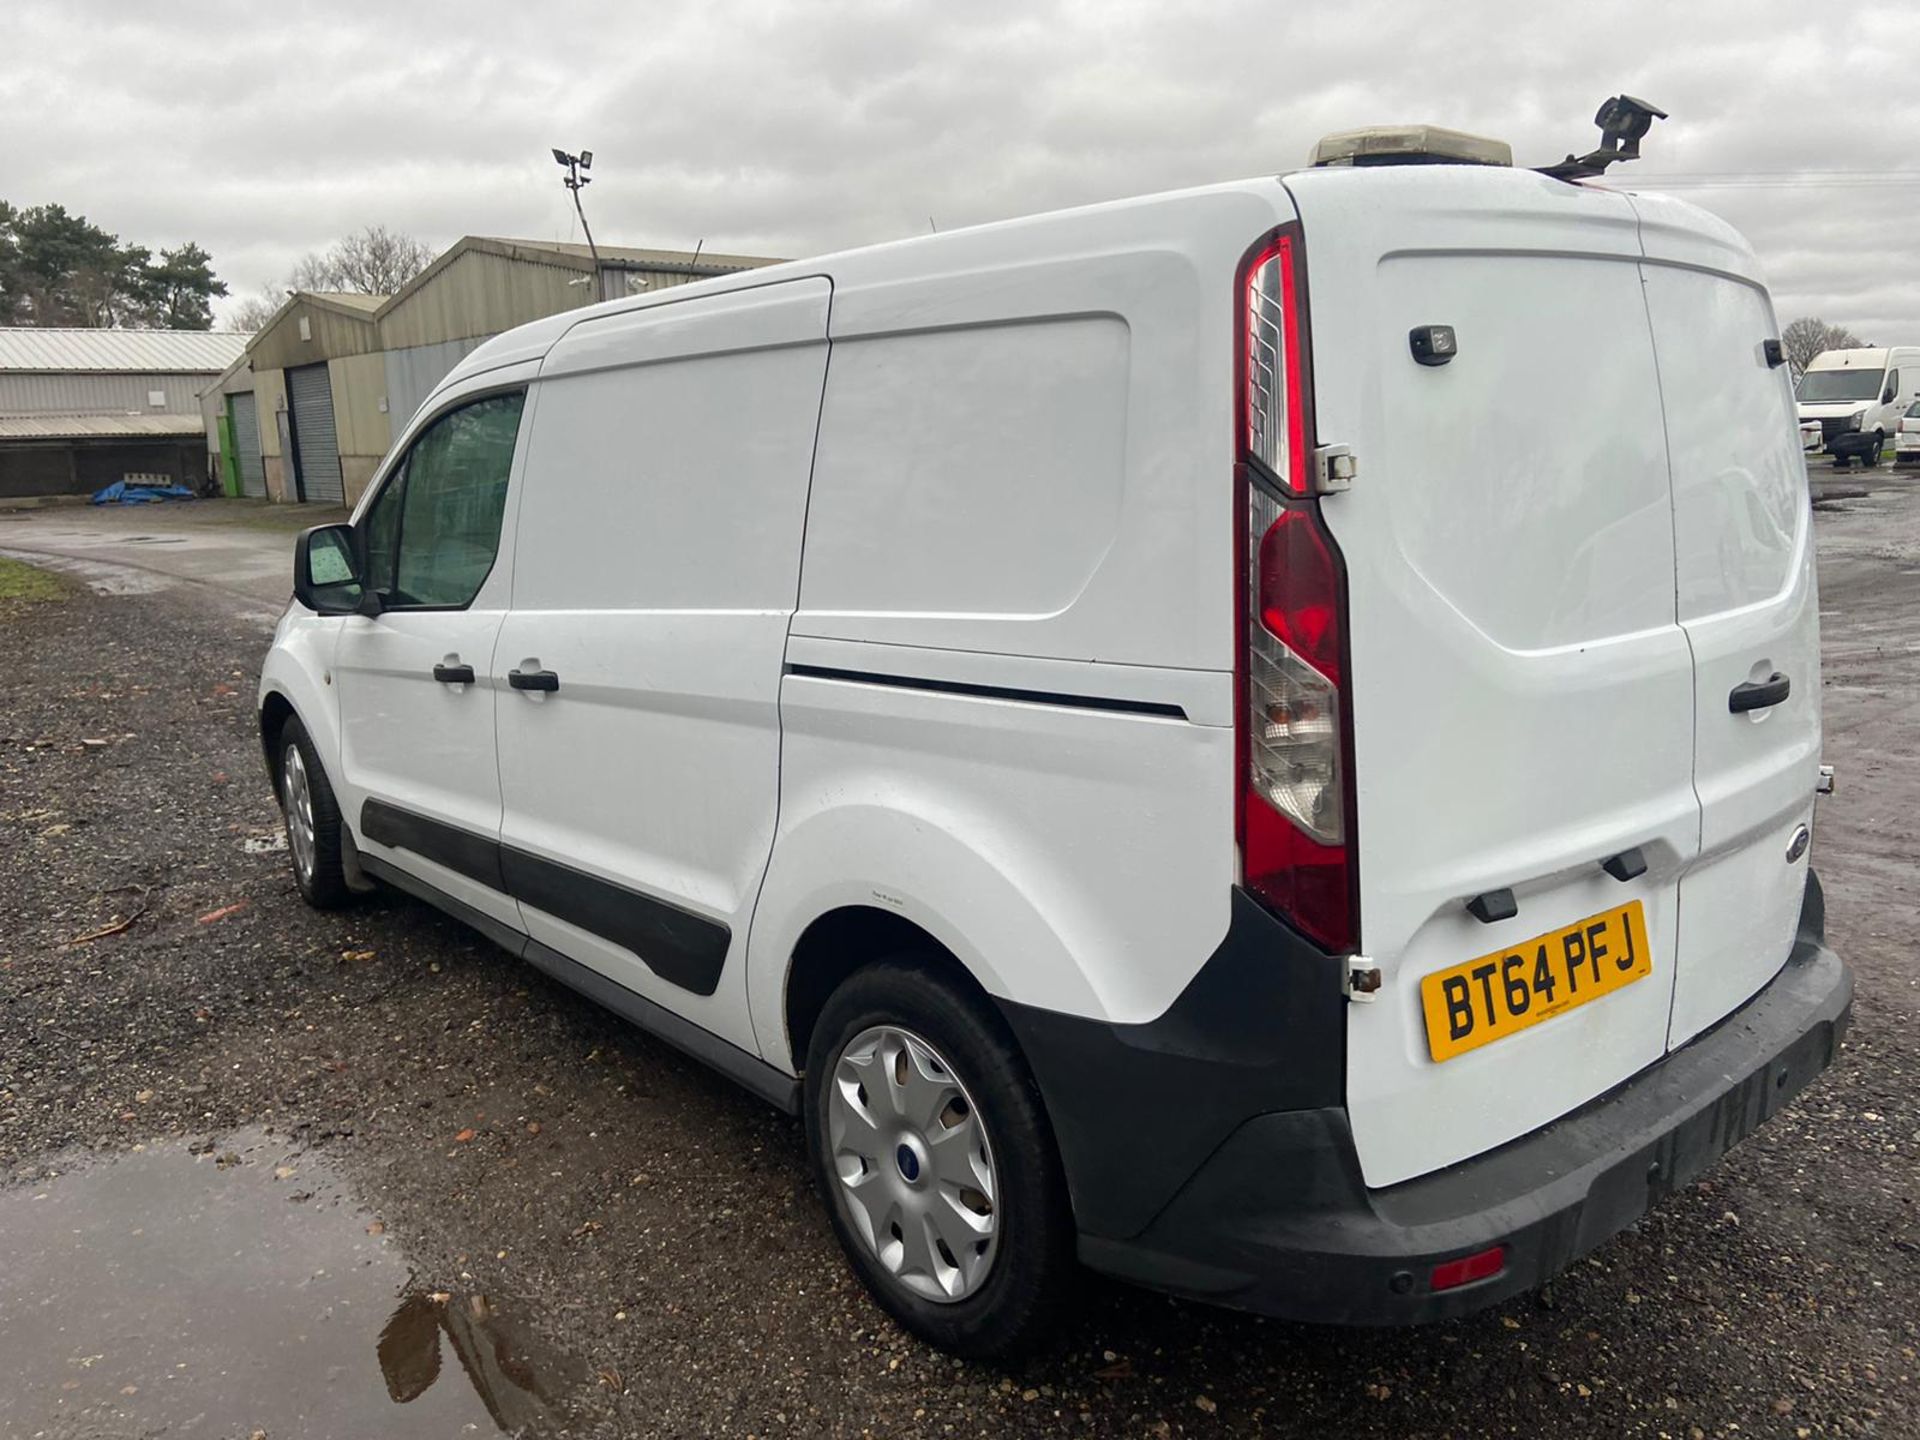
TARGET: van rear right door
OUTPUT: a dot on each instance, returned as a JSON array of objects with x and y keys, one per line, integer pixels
[
  {"x": 1748, "y": 602},
  {"x": 1522, "y": 692}
]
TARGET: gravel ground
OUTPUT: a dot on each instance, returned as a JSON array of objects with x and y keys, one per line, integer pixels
[{"x": 647, "y": 1232}]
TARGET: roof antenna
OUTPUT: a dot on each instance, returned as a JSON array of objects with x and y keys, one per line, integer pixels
[
  {"x": 698, "y": 246},
  {"x": 1622, "y": 121}
]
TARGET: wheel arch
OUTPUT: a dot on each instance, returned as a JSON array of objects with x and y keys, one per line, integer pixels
[{"x": 842, "y": 942}]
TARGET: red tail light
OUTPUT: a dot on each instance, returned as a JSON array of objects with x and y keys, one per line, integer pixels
[{"x": 1295, "y": 827}]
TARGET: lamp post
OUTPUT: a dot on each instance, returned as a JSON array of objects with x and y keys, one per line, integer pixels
[{"x": 575, "y": 182}]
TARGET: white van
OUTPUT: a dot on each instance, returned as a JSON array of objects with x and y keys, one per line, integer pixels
[
  {"x": 1852, "y": 401},
  {"x": 1103, "y": 717}
]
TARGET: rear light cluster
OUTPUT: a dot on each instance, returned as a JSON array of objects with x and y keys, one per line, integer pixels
[{"x": 1295, "y": 844}]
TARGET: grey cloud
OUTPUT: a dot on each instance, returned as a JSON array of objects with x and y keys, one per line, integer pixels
[{"x": 794, "y": 128}]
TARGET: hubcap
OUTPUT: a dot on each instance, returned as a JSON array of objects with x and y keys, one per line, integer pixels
[
  {"x": 296, "y": 799},
  {"x": 916, "y": 1171}
]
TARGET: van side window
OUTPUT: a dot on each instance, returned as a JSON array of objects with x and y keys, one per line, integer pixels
[{"x": 432, "y": 532}]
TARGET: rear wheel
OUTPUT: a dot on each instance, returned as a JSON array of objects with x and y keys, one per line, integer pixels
[
  {"x": 313, "y": 819},
  {"x": 932, "y": 1151}
]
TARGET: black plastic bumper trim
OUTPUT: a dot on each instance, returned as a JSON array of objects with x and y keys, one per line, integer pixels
[
  {"x": 1136, "y": 1109},
  {"x": 1279, "y": 1221}
]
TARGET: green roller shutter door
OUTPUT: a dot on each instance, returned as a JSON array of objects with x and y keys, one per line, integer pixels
[{"x": 246, "y": 443}]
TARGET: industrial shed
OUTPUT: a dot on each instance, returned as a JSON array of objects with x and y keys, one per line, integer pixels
[
  {"x": 80, "y": 409},
  {"x": 333, "y": 378}
]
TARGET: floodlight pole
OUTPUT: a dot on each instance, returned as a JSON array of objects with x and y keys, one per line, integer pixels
[{"x": 574, "y": 181}]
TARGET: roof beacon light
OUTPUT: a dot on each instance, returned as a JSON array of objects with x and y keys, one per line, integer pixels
[{"x": 1410, "y": 145}]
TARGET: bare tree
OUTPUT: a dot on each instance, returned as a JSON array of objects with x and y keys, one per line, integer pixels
[
  {"x": 374, "y": 261},
  {"x": 250, "y": 316},
  {"x": 1810, "y": 336}
]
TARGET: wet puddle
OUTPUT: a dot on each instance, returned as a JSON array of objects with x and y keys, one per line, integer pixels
[{"x": 164, "y": 1292}]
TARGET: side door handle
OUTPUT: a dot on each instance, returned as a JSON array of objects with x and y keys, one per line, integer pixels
[
  {"x": 533, "y": 680},
  {"x": 453, "y": 674},
  {"x": 1759, "y": 694}
]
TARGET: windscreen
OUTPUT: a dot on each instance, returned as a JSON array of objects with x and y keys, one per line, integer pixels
[{"x": 1819, "y": 387}]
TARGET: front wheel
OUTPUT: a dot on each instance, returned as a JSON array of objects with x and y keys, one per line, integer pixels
[
  {"x": 931, "y": 1148},
  {"x": 1872, "y": 457},
  {"x": 313, "y": 819}
]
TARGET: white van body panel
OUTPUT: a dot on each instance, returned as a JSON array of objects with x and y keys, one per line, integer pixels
[
  {"x": 656, "y": 565},
  {"x": 389, "y": 700},
  {"x": 1076, "y": 369}
]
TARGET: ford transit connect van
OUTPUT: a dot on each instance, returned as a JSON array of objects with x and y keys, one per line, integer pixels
[{"x": 1103, "y": 717}]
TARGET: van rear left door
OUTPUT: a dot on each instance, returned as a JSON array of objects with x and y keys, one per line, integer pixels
[{"x": 1522, "y": 696}]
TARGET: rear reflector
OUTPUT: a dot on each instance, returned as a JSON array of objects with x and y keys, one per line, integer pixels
[{"x": 1484, "y": 1265}]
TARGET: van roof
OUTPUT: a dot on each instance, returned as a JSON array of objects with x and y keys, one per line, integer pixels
[
  {"x": 1865, "y": 359},
  {"x": 964, "y": 248}
]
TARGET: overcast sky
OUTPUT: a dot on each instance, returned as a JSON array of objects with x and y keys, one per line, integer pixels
[{"x": 263, "y": 132}]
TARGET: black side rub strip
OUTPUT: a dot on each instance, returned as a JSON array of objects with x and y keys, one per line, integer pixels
[
  {"x": 990, "y": 692},
  {"x": 680, "y": 947},
  {"x": 475, "y": 856}
]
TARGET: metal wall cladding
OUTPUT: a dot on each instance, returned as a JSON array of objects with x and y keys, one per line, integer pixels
[
  {"x": 316, "y": 445},
  {"x": 246, "y": 444},
  {"x": 43, "y": 394},
  {"x": 412, "y": 374}
]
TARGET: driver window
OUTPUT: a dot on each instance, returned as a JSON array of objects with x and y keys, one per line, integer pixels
[{"x": 432, "y": 532}]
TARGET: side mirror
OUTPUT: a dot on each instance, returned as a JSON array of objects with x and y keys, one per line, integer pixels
[
  {"x": 326, "y": 571},
  {"x": 1886, "y": 396}
]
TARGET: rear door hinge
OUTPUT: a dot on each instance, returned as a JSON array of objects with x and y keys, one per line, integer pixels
[
  {"x": 1361, "y": 979},
  {"x": 1334, "y": 468}
]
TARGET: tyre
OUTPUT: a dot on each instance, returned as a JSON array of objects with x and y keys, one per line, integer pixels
[
  {"x": 933, "y": 1154},
  {"x": 1872, "y": 457},
  {"x": 313, "y": 818}
]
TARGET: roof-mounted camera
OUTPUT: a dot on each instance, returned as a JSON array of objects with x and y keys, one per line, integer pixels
[{"x": 1623, "y": 120}]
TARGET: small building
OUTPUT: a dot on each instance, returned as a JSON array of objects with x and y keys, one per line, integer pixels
[
  {"x": 330, "y": 379},
  {"x": 80, "y": 409}
]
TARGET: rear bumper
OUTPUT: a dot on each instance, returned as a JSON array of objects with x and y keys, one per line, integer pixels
[{"x": 1278, "y": 1220}]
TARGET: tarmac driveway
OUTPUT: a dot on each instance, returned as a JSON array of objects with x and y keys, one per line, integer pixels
[{"x": 265, "y": 1170}]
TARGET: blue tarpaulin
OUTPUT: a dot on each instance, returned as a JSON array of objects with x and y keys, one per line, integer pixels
[{"x": 121, "y": 493}]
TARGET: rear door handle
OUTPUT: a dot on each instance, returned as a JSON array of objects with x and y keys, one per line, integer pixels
[
  {"x": 453, "y": 674},
  {"x": 1759, "y": 694},
  {"x": 533, "y": 680}
]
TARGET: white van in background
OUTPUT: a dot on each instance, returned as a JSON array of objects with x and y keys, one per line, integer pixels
[
  {"x": 1852, "y": 401},
  {"x": 1103, "y": 717}
]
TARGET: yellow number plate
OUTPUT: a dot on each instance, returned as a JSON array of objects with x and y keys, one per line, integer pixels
[{"x": 1494, "y": 996}]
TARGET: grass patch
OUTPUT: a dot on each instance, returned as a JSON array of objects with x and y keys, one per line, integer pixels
[{"x": 24, "y": 584}]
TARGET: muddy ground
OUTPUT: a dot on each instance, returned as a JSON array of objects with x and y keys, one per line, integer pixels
[{"x": 263, "y": 1169}]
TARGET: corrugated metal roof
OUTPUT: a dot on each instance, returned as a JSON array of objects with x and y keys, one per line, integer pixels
[
  {"x": 352, "y": 299},
  {"x": 30, "y": 347},
  {"x": 80, "y": 427},
  {"x": 708, "y": 261}
]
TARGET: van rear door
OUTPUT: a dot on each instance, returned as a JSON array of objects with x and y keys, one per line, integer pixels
[
  {"x": 1747, "y": 601},
  {"x": 1522, "y": 692}
]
